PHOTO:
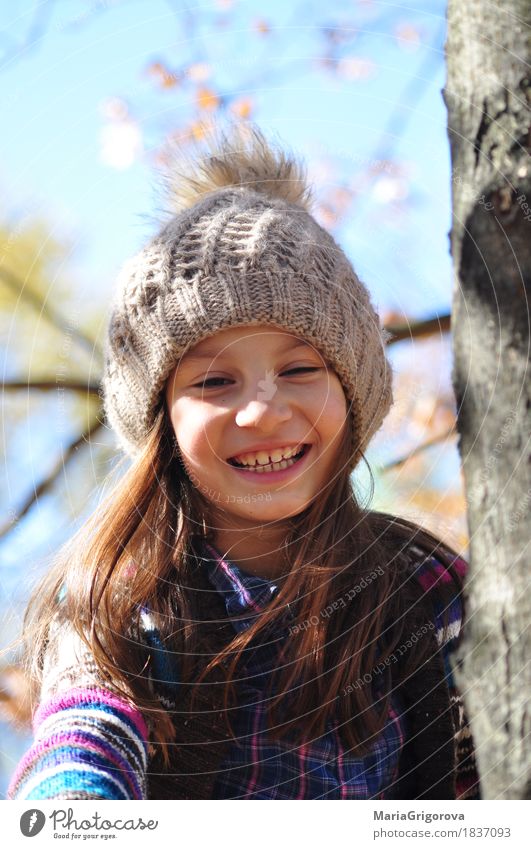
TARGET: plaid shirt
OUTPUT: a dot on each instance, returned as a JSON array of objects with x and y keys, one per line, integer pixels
[
  {"x": 91, "y": 744},
  {"x": 260, "y": 768}
]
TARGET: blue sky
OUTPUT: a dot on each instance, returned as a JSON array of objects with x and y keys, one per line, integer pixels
[
  {"x": 69, "y": 68},
  {"x": 54, "y": 94}
]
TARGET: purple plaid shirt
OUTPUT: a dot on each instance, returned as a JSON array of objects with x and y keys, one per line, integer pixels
[
  {"x": 260, "y": 768},
  {"x": 91, "y": 744}
]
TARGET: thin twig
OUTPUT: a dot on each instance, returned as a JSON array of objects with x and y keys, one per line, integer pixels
[
  {"x": 16, "y": 50},
  {"x": 419, "y": 449},
  {"x": 417, "y": 329},
  {"x": 50, "y": 479},
  {"x": 50, "y": 385}
]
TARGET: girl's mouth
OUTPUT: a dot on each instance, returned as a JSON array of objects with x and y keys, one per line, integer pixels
[{"x": 272, "y": 470}]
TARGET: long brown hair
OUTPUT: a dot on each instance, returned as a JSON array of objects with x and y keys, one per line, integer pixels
[{"x": 136, "y": 551}]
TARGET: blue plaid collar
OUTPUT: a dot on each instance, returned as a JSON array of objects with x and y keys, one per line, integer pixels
[{"x": 242, "y": 592}]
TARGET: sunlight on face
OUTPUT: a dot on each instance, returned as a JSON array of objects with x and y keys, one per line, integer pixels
[{"x": 252, "y": 387}]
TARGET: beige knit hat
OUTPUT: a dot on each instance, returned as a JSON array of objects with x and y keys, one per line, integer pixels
[{"x": 242, "y": 248}]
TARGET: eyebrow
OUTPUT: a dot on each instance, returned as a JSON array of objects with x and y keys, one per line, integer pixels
[{"x": 210, "y": 354}]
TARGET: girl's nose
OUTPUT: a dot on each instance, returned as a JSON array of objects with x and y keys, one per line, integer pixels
[{"x": 264, "y": 413}]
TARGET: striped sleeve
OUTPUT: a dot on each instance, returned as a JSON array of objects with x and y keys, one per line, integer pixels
[
  {"x": 89, "y": 744},
  {"x": 89, "y": 741},
  {"x": 435, "y": 579}
]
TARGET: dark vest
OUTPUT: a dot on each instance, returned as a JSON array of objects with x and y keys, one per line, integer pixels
[{"x": 427, "y": 765}]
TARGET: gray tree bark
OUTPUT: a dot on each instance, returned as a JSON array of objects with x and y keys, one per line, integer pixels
[{"x": 487, "y": 93}]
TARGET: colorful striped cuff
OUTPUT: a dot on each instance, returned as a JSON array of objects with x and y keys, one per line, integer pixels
[{"x": 88, "y": 741}]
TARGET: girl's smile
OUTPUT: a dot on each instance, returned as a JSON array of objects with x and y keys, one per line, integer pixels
[
  {"x": 277, "y": 471},
  {"x": 253, "y": 408}
]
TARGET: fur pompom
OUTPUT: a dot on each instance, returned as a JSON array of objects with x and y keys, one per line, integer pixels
[{"x": 241, "y": 156}]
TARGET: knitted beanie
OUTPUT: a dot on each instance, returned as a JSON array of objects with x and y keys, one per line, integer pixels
[{"x": 241, "y": 248}]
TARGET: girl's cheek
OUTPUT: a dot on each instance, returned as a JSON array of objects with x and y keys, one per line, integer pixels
[
  {"x": 194, "y": 421},
  {"x": 331, "y": 401}
]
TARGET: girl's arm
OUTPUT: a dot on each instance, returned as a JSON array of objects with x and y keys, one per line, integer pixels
[{"x": 90, "y": 743}]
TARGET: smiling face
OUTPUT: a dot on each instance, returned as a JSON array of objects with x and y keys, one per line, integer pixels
[{"x": 243, "y": 393}]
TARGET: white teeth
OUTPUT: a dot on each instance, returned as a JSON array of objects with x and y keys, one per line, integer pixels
[
  {"x": 272, "y": 467},
  {"x": 263, "y": 458}
]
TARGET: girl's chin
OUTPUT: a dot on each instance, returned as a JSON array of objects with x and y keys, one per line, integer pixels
[{"x": 270, "y": 508}]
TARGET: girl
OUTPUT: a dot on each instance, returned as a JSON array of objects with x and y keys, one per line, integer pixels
[{"x": 231, "y": 623}]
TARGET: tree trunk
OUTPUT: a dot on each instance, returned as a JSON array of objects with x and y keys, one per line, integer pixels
[{"x": 487, "y": 94}]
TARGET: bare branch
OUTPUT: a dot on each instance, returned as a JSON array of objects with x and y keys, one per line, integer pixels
[
  {"x": 51, "y": 385},
  {"x": 440, "y": 437},
  {"x": 37, "y": 28},
  {"x": 418, "y": 329},
  {"x": 47, "y": 482}
]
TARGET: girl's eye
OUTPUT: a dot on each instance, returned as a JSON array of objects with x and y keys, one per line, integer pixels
[
  {"x": 205, "y": 383},
  {"x": 302, "y": 368}
]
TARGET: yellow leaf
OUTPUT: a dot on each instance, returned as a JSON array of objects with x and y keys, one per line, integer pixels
[
  {"x": 154, "y": 68},
  {"x": 207, "y": 99},
  {"x": 169, "y": 80},
  {"x": 262, "y": 27},
  {"x": 163, "y": 75},
  {"x": 15, "y": 704},
  {"x": 242, "y": 107},
  {"x": 327, "y": 216},
  {"x": 197, "y": 130}
]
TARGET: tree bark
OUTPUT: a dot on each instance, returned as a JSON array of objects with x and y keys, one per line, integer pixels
[{"x": 488, "y": 91}]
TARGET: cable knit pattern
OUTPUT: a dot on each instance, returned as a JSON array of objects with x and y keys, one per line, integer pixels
[{"x": 234, "y": 258}]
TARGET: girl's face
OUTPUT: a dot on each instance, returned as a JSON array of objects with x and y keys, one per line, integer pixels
[{"x": 244, "y": 394}]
